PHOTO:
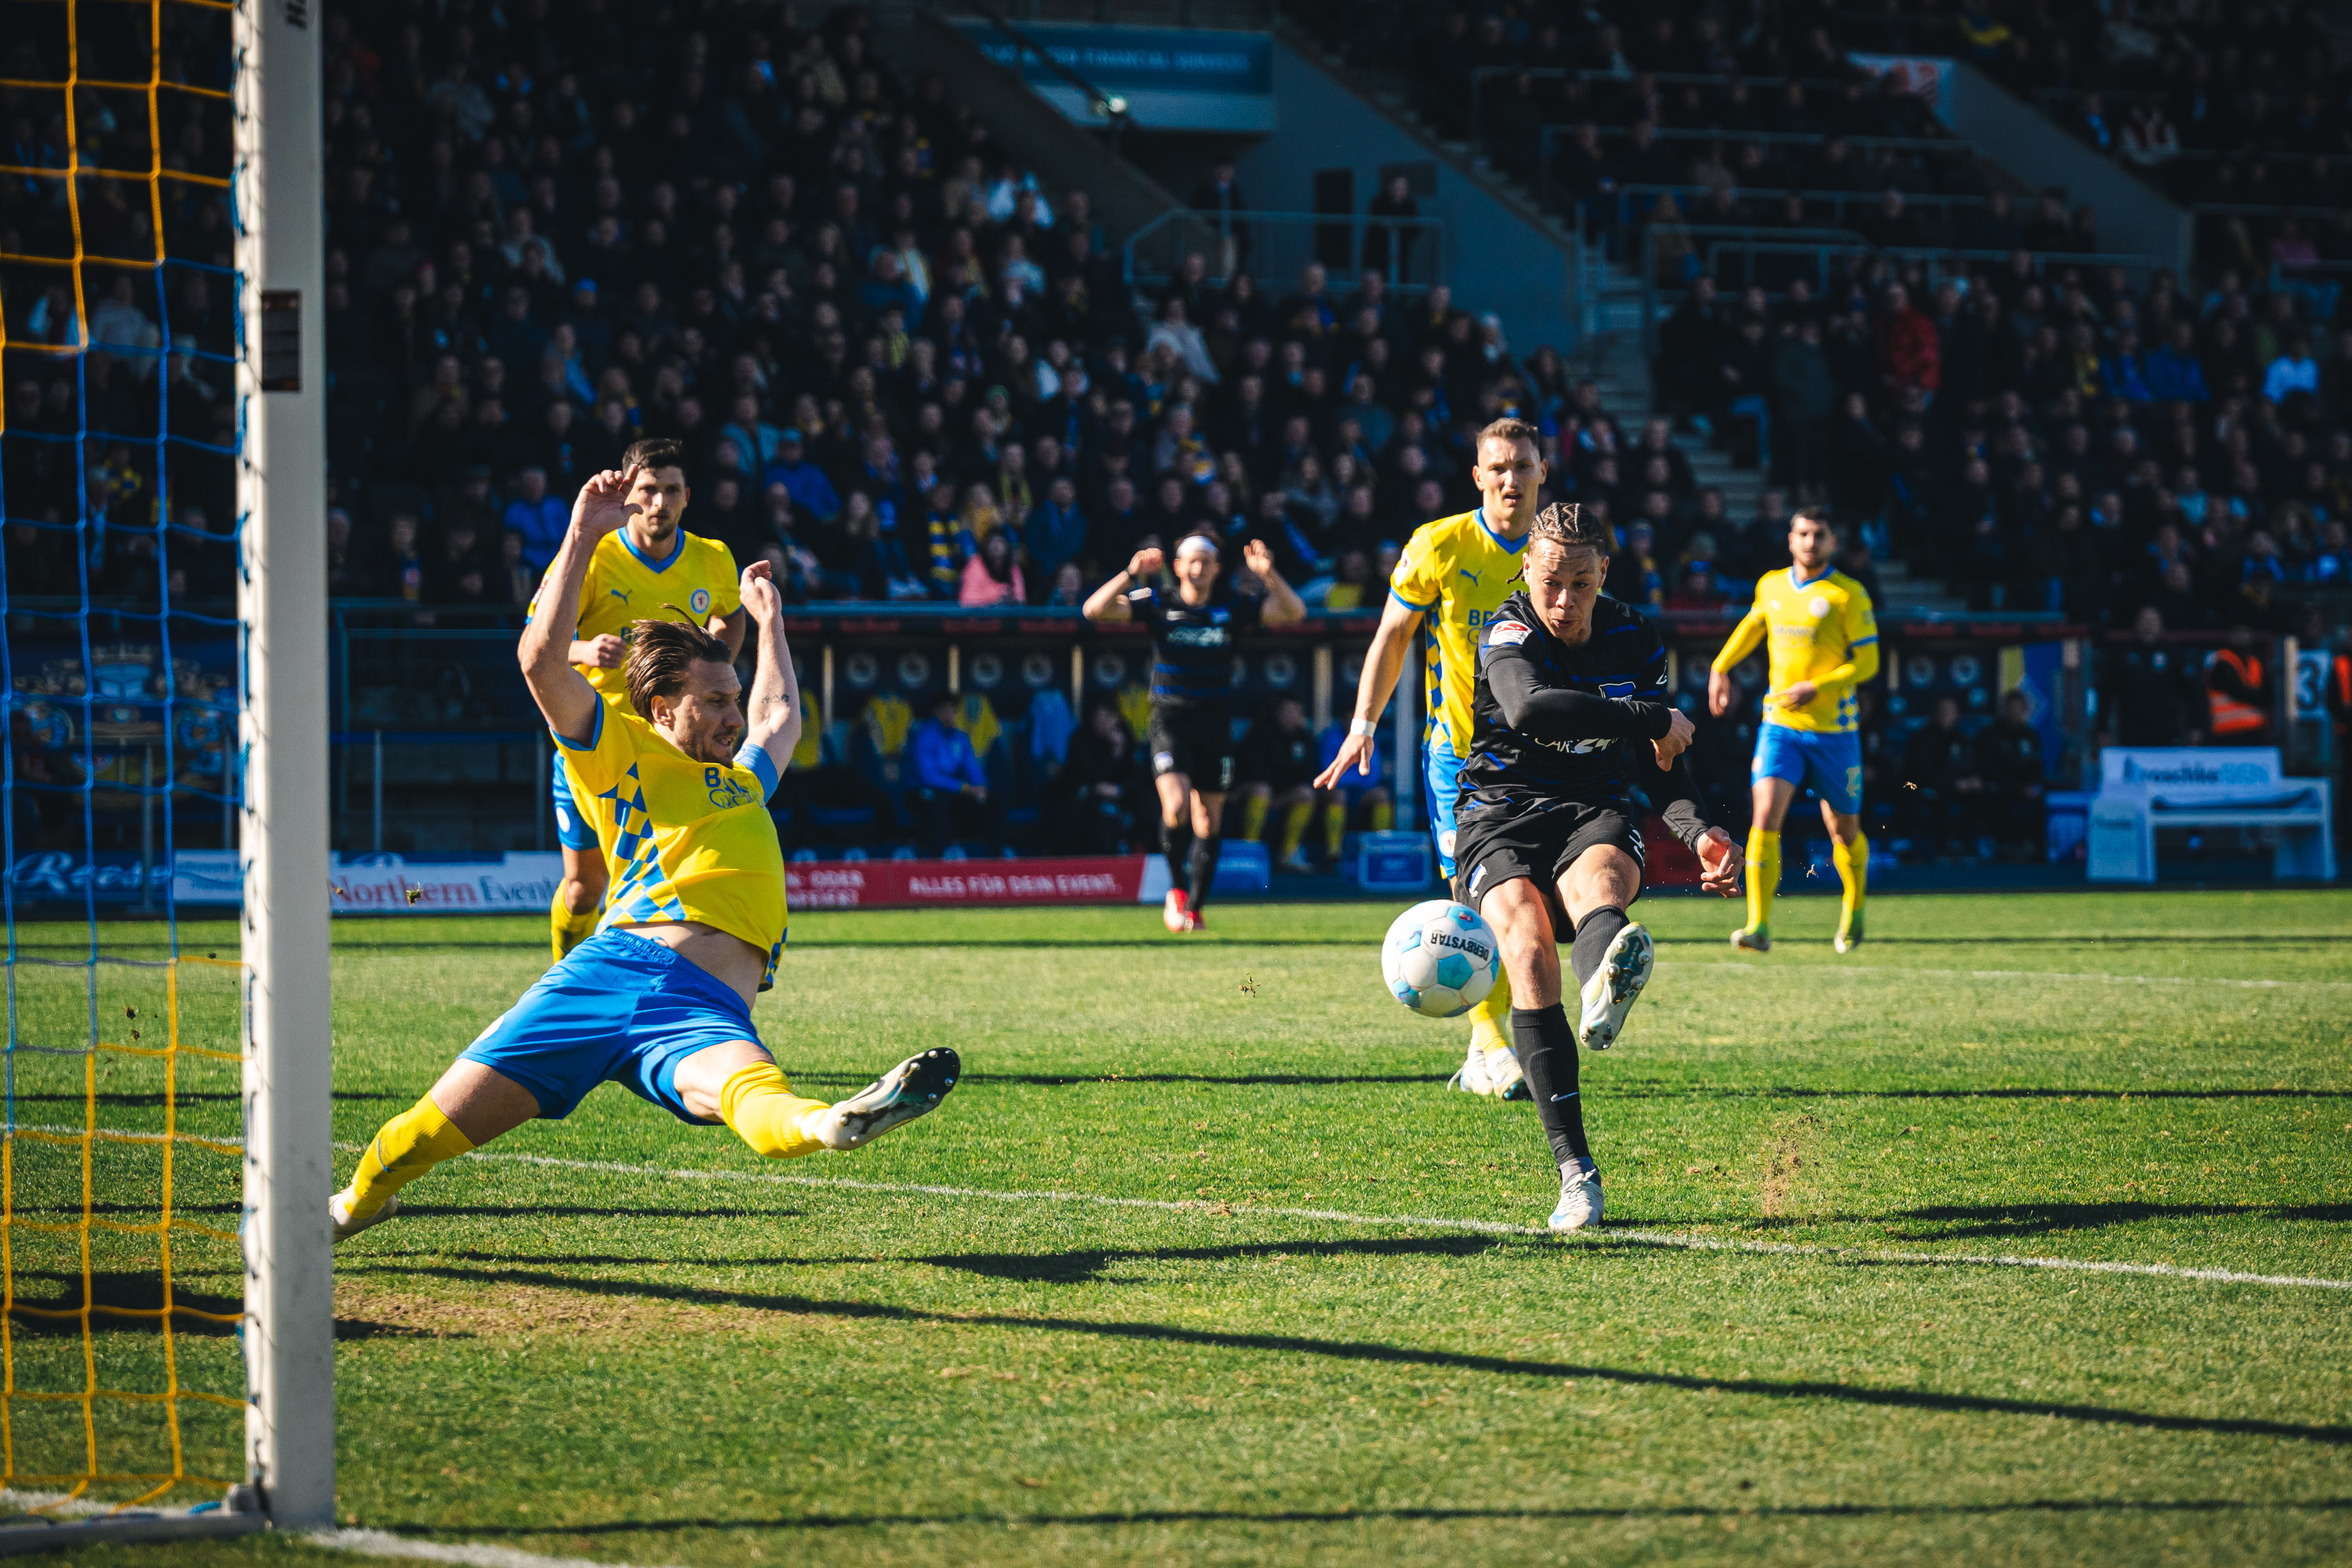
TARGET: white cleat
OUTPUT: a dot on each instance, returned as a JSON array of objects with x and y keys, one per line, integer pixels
[
  {"x": 1174, "y": 913},
  {"x": 1579, "y": 1201},
  {"x": 1615, "y": 987},
  {"x": 913, "y": 1088},
  {"x": 1503, "y": 1078},
  {"x": 1759, "y": 940},
  {"x": 339, "y": 1211},
  {"x": 1470, "y": 1078}
]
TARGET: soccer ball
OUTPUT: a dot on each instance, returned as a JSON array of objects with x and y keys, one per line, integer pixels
[{"x": 1441, "y": 958}]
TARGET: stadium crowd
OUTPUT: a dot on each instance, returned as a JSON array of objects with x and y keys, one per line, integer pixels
[{"x": 907, "y": 370}]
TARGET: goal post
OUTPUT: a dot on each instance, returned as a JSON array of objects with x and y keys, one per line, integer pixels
[{"x": 282, "y": 613}]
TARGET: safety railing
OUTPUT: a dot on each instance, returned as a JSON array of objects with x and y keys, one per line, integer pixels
[
  {"x": 1410, "y": 254},
  {"x": 1481, "y": 75},
  {"x": 1717, "y": 249}
]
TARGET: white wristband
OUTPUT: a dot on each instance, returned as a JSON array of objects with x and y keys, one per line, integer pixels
[{"x": 1362, "y": 726}]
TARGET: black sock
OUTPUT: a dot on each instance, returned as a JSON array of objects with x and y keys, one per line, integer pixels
[
  {"x": 1204, "y": 867},
  {"x": 1176, "y": 838},
  {"x": 1544, "y": 1042},
  {"x": 1592, "y": 939}
]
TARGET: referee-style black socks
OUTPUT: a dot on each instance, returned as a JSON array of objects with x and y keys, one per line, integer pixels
[
  {"x": 1593, "y": 935},
  {"x": 1203, "y": 865},
  {"x": 1176, "y": 839},
  {"x": 1544, "y": 1042}
]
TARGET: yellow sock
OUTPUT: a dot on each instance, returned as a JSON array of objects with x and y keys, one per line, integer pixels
[
  {"x": 1335, "y": 829},
  {"x": 1253, "y": 818},
  {"x": 567, "y": 930},
  {"x": 1382, "y": 815},
  {"x": 1853, "y": 872},
  {"x": 404, "y": 1149},
  {"x": 1486, "y": 1018},
  {"x": 765, "y": 1113},
  {"x": 1763, "y": 876},
  {"x": 1294, "y": 828}
]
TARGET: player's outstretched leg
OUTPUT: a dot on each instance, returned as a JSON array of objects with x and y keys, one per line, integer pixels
[
  {"x": 402, "y": 1150},
  {"x": 1611, "y": 958},
  {"x": 1763, "y": 881}
]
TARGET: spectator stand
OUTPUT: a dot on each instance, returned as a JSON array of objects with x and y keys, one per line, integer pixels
[{"x": 1411, "y": 251}]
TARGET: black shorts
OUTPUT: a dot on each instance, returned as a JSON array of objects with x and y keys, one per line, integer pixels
[
  {"x": 1538, "y": 838},
  {"x": 1197, "y": 742}
]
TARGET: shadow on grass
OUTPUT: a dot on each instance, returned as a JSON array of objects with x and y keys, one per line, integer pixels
[
  {"x": 1370, "y": 1351},
  {"x": 1651, "y": 1091},
  {"x": 523, "y": 1211},
  {"x": 120, "y": 1302},
  {"x": 2036, "y": 1218},
  {"x": 1827, "y": 1510}
]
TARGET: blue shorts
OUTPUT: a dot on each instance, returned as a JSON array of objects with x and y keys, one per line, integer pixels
[
  {"x": 617, "y": 1010},
  {"x": 1829, "y": 760},
  {"x": 573, "y": 831},
  {"x": 1442, "y": 770}
]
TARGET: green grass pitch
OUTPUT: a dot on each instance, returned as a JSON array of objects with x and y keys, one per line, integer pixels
[{"x": 626, "y": 1364}]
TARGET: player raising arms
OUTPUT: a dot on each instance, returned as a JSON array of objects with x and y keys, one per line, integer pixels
[
  {"x": 649, "y": 566},
  {"x": 1193, "y": 696},
  {"x": 1570, "y": 716},
  {"x": 1824, "y": 642},
  {"x": 1458, "y": 571},
  {"x": 660, "y": 997}
]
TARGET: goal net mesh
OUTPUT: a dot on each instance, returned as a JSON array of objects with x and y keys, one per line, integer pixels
[{"x": 121, "y": 1378}]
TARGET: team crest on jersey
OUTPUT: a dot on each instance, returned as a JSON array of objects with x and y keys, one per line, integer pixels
[
  {"x": 1817, "y": 606},
  {"x": 700, "y": 602},
  {"x": 1506, "y": 633}
]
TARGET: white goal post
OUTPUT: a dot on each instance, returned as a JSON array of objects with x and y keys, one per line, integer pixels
[{"x": 282, "y": 609}]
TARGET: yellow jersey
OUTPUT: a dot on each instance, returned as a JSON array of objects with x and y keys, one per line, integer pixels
[
  {"x": 1457, "y": 571},
  {"x": 1822, "y": 629},
  {"x": 622, "y": 587},
  {"x": 690, "y": 841}
]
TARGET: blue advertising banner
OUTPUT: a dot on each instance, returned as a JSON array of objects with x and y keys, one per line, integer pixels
[{"x": 1171, "y": 78}]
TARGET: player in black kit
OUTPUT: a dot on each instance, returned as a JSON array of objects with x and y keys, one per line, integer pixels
[
  {"x": 1191, "y": 739},
  {"x": 1570, "y": 716}
]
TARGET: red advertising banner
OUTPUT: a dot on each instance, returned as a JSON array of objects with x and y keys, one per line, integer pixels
[{"x": 874, "y": 885}]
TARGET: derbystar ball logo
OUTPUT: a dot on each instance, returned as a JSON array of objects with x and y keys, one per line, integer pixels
[
  {"x": 1507, "y": 634},
  {"x": 1478, "y": 950}
]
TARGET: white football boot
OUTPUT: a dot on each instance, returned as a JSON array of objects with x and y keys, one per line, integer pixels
[
  {"x": 1471, "y": 1076},
  {"x": 913, "y": 1088},
  {"x": 1615, "y": 987},
  {"x": 1505, "y": 1080},
  {"x": 339, "y": 1212},
  {"x": 1579, "y": 1200}
]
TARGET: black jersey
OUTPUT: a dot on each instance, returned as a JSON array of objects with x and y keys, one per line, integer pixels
[
  {"x": 1587, "y": 715},
  {"x": 1191, "y": 646}
]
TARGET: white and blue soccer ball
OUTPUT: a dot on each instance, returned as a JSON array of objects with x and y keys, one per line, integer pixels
[{"x": 1441, "y": 958}]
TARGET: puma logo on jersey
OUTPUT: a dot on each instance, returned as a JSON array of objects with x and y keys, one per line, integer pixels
[
  {"x": 619, "y": 593},
  {"x": 1468, "y": 573}
]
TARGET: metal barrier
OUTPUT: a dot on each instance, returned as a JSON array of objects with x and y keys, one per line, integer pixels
[
  {"x": 1951, "y": 262},
  {"x": 1276, "y": 244},
  {"x": 1481, "y": 75}
]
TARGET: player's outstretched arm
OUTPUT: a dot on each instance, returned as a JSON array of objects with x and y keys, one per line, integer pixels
[
  {"x": 1744, "y": 640},
  {"x": 565, "y": 699},
  {"x": 1108, "y": 603},
  {"x": 1383, "y": 662},
  {"x": 1283, "y": 605},
  {"x": 772, "y": 715}
]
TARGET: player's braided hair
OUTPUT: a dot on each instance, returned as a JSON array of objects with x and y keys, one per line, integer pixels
[
  {"x": 661, "y": 654},
  {"x": 1563, "y": 523}
]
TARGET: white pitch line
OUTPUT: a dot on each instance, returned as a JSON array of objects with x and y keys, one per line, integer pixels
[
  {"x": 1478, "y": 1227},
  {"x": 384, "y": 1544},
  {"x": 2023, "y": 975}
]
